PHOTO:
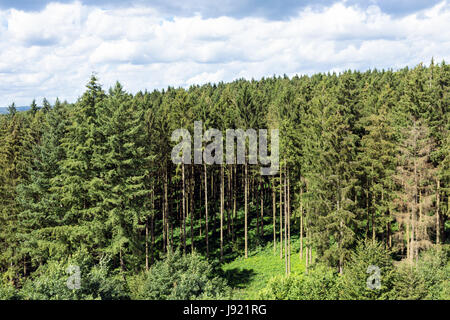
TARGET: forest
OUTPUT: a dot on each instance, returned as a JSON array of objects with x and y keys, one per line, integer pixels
[{"x": 88, "y": 189}]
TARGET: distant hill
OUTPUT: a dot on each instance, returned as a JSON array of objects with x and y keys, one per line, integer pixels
[{"x": 4, "y": 110}]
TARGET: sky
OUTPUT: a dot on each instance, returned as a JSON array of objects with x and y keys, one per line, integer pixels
[{"x": 50, "y": 48}]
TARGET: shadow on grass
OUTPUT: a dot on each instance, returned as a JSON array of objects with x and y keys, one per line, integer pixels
[{"x": 239, "y": 278}]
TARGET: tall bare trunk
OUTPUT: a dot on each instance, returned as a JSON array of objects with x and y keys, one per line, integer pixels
[
  {"x": 222, "y": 200},
  {"x": 289, "y": 220},
  {"x": 233, "y": 219},
  {"x": 166, "y": 212},
  {"x": 373, "y": 219},
  {"x": 146, "y": 244},
  {"x": 438, "y": 226},
  {"x": 245, "y": 209},
  {"x": 171, "y": 237},
  {"x": 307, "y": 252},
  {"x": 184, "y": 207},
  {"x": 206, "y": 208},
  {"x": 262, "y": 208},
  {"x": 258, "y": 234},
  {"x": 152, "y": 233},
  {"x": 152, "y": 227},
  {"x": 281, "y": 214},
  {"x": 191, "y": 205},
  {"x": 229, "y": 202},
  {"x": 301, "y": 222},
  {"x": 368, "y": 210},
  {"x": 122, "y": 264},
  {"x": 274, "y": 218},
  {"x": 310, "y": 252},
  {"x": 285, "y": 223}
]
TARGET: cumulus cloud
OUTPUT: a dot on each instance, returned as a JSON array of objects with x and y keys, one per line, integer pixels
[{"x": 52, "y": 52}]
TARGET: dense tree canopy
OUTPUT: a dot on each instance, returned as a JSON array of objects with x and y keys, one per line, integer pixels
[{"x": 363, "y": 156}]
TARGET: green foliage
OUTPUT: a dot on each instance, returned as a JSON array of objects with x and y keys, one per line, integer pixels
[
  {"x": 320, "y": 283},
  {"x": 249, "y": 276},
  {"x": 182, "y": 277},
  {"x": 407, "y": 283},
  {"x": 49, "y": 282},
  {"x": 364, "y": 155},
  {"x": 8, "y": 292},
  {"x": 434, "y": 268},
  {"x": 354, "y": 285}
]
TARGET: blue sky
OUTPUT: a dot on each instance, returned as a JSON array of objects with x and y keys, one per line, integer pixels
[
  {"x": 50, "y": 48},
  {"x": 273, "y": 10}
]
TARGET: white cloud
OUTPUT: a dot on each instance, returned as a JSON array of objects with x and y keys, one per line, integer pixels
[
  {"x": 52, "y": 52},
  {"x": 56, "y": 23}
]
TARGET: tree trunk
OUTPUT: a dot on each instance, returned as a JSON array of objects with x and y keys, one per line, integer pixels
[
  {"x": 262, "y": 208},
  {"x": 438, "y": 227},
  {"x": 152, "y": 233},
  {"x": 258, "y": 234},
  {"x": 171, "y": 237},
  {"x": 184, "y": 207},
  {"x": 146, "y": 244},
  {"x": 289, "y": 220},
  {"x": 206, "y": 208},
  {"x": 152, "y": 226},
  {"x": 222, "y": 200},
  {"x": 373, "y": 219},
  {"x": 301, "y": 222},
  {"x": 233, "y": 218},
  {"x": 122, "y": 264},
  {"x": 202, "y": 184},
  {"x": 246, "y": 209},
  {"x": 307, "y": 252},
  {"x": 281, "y": 214},
  {"x": 163, "y": 207},
  {"x": 274, "y": 218},
  {"x": 368, "y": 210},
  {"x": 310, "y": 252},
  {"x": 285, "y": 223},
  {"x": 229, "y": 202},
  {"x": 166, "y": 212},
  {"x": 191, "y": 205},
  {"x": 340, "y": 239}
]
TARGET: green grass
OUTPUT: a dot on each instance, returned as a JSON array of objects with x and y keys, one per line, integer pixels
[
  {"x": 246, "y": 276},
  {"x": 249, "y": 276}
]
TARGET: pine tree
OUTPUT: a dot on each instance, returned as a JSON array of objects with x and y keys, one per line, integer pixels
[
  {"x": 72, "y": 185},
  {"x": 40, "y": 206},
  {"x": 118, "y": 187},
  {"x": 15, "y": 158},
  {"x": 414, "y": 200}
]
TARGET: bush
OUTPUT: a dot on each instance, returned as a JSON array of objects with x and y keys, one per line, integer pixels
[
  {"x": 353, "y": 284},
  {"x": 181, "y": 277},
  {"x": 428, "y": 279},
  {"x": 8, "y": 292},
  {"x": 319, "y": 284},
  {"x": 434, "y": 268},
  {"x": 97, "y": 282},
  {"x": 408, "y": 284}
]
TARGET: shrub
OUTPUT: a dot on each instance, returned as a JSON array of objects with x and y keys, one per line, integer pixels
[
  {"x": 49, "y": 282},
  {"x": 434, "y": 268},
  {"x": 181, "y": 277},
  {"x": 319, "y": 284},
  {"x": 427, "y": 279},
  {"x": 408, "y": 284},
  {"x": 8, "y": 292},
  {"x": 353, "y": 284}
]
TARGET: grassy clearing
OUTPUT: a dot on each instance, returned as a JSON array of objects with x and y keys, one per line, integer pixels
[{"x": 249, "y": 276}]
